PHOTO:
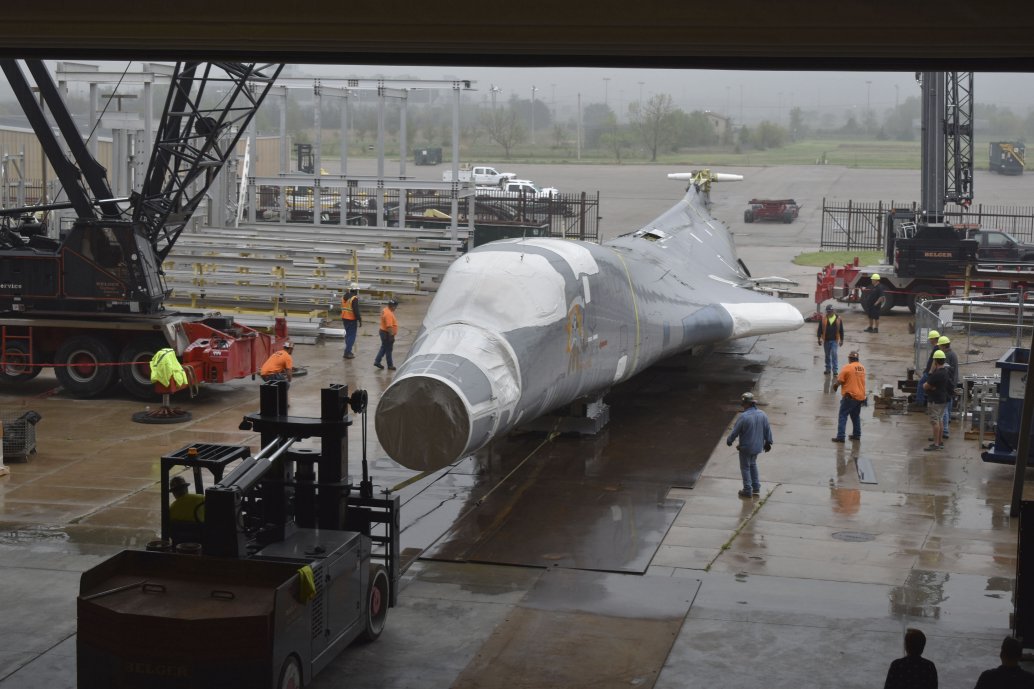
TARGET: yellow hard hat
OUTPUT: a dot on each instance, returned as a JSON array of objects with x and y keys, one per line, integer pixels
[
  {"x": 943, "y": 340},
  {"x": 875, "y": 276},
  {"x": 933, "y": 335},
  {"x": 938, "y": 354}
]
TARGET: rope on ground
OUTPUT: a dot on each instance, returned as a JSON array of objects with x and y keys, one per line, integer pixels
[{"x": 728, "y": 543}]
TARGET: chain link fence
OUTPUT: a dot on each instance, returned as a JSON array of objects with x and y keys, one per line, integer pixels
[{"x": 982, "y": 330}]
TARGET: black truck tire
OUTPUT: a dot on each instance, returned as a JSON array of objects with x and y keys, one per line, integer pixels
[
  {"x": 83, "y": 366},
  {"x": 748, "y": 216},
  {"x": 291, "y": 674},
  {"x": 924, "y": 292},
  {"x": 788, "y": 217},
  {"x": 375, "y": 611},
  {"x": 135, "y": 368},
  {"x": 14, "y": 369}
]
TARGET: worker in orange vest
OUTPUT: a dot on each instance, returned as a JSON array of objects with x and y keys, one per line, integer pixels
[
  {"x": 351, "y": 318},
  {"x": 389, "y": 329}
]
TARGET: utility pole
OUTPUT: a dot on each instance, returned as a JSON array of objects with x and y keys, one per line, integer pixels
[
  {"x": 641, "y": 94},
  {"x": 533, "y": 90},
  {"x": 578, "y": 133},
  {"x": 606, "y": 83},
  {"x": 895, "y": 96},
  {"x": 868, "y": 101}
]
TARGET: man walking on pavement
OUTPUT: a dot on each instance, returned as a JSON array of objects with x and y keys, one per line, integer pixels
[
  {"x": 755, "y": 435},
  {"x": 389, "y": 329},
  {"x": 951, "y": 362},
  {"x": 876, "y": 299},
  {"x": 933, "y": 336},
  {"x": 351, "y": 318},
  {"x": 852, "y": 379},
  {"x": 831, "y": 337},
  {"x": 937, "y": 386}
]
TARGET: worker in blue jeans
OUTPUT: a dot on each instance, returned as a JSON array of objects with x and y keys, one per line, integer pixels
[
  {"x": 933, "y": 336},
  {"x": 755, "y": 434},
  {"x": 951, "y": 361}
]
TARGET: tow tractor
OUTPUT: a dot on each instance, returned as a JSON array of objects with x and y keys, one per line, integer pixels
[
  {"x": 287, "y": 564},
  {"x": 782, "y": 210},
  {"x": 90, "y": 301}
]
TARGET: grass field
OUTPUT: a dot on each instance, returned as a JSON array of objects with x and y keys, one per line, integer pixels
[
  {"x": 824, "y": 258},
  {"x": 847, "y": 153}
]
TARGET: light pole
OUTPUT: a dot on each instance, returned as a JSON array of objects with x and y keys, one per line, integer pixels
[
  {"x": 533, "y": 90},
  {"x": 606, "y": 81},
  {"x": 895, "y": 95},
  {"x": 493, "y": 89},
  {"x": 641, "y": 94}
]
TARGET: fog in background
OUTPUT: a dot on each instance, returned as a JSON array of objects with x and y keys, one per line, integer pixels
[{"x": 746, "y": 97}]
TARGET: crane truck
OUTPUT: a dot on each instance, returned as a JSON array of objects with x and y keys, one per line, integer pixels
[
  {"x": 926, "y": 257},
  {"x": 90, "y": 302}
]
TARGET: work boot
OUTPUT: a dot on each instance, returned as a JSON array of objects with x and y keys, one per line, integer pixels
[
  {"x": 380, "y": 366},
  {"x": 745, "y": 493},
  {"x": 349, "y": 356},
  {"x": 867, "y": 330}
]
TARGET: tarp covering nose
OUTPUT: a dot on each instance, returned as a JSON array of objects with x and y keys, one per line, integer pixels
[{"x": 431, "y": 439}]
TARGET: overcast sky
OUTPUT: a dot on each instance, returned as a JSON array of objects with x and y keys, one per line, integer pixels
[
  {"x": 746, "y": 96},
  {"x": 754, "y": 95}
]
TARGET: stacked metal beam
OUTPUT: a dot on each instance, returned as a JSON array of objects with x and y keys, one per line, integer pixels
[{"x": 301, "y": 271}]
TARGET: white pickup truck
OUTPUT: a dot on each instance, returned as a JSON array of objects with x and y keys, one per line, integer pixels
[
  {"x": 480, "y": 175},
  {"x": 519, "y": 187}
]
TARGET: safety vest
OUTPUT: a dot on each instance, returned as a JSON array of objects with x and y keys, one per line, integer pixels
[{"x": 347, "y": 312}]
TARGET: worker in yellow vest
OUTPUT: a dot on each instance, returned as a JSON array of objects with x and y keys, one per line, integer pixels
[
  {"x": 351, "y": 318},
  {"x": 186, "y": 506}
]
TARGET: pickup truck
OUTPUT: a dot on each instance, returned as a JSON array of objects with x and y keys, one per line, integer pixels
[
  {"x": 518, "y": 188},
  {"x": 1000, "y": 247},
  {"x": 480, "y": 175}
]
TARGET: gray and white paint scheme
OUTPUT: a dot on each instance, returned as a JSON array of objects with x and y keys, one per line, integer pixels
[{"x": 521, "y": 327}]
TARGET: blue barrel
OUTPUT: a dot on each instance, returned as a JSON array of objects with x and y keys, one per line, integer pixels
[{"x": 1011, "y": 389}]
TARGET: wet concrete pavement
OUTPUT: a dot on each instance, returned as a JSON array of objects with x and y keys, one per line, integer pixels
[{"x": 810, "y": 585}]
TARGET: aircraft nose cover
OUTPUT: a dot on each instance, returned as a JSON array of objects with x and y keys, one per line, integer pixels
[{"x": 421, "y": 441}]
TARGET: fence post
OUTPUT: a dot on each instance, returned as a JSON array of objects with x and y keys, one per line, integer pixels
[
  {"x": 850, "y": 222},
  {"x": 879, "y": 227},
  {"x": 581, "y": 219}
]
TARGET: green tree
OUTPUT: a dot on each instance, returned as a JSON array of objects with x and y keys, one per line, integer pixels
[
  {"x": 503, "y": 126},
  {"x": 595, "y": 117},
  {"x": 616, "y": 138},
  {"x": 654, "y": 122},
  {"x": 798, "y": 128},
  {"x": 899, "y": 123}
]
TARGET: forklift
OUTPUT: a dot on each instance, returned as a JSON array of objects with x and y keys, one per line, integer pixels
[{"x": 286, "y": 565}]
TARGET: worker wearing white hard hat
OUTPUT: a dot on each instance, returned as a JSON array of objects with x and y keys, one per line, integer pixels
[
  {"x": 351, "y": 319},
  {"x": 280, "y": 365}
]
